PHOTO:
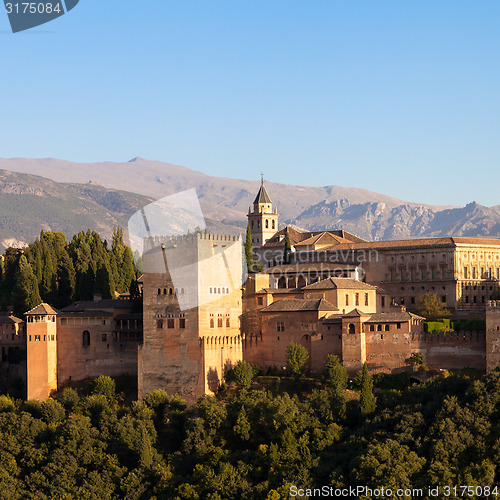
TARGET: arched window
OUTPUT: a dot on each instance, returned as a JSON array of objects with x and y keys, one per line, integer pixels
[
  {"x": 273, "y": 225},
  {"x": 164, "y": 291},
  {"x": 252, "y": 224},
  {"x": 267, "y": 224},
  {"x": 159, "y": 291},
  {"x": 86, "y": 338},
  {"x": 182, "y": 291},
  {"x": 386, "y": 328},
  {"x": 227, "y": 290},
  {"x": 171, "y": 291},
  {"x": 352, "y": 328},
  {"x": 379, "y": 328}
]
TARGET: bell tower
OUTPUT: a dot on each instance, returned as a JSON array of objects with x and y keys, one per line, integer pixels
[{"x": 263, "y": 220}]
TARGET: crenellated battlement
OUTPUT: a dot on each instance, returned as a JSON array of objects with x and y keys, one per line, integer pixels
[
  {"x": 151, "y": 242},
  {"x": 208, "y": 340},
  {"x": 449, "y": 337}
]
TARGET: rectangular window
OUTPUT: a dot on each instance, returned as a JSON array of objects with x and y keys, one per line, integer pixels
[
  {"x": 346, "y": 299},
  {"x": 182, "y": 323},
  {"x": 490, "y": 273},
  {"x": 443, "y": 299},
  {"x": 171, "y": 323},
  {"x": 260, "y": 301},
  {"x": 37, "y": 338},
  {"x": 228, "y": 323},
  {"x": 412, "y": 300},
  {"x": 466, "y": 273},
  {"x": 159, "y": 323},
  {"x": 383, "y": 301},
  {"x": 356, "y": 298},
  {"x": 473, "y": 273},
  {"x": 366, "y": 299},
  {"x": 280, "y": 326},
  {"x": 498, "y": 273},
  {"x": 398, "y": 326},
  {"x": 219, "y": 322},
  {"x": 482, "y": 273}
]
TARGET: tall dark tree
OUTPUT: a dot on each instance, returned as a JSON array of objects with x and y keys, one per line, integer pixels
[
  {"x": 288, "y": 248},
  {"x": 25, "y": 294},
  {"x": 367, "y": 401},
  {"x": 66, "y": 281},
  {"x": 249, "y": 250}
]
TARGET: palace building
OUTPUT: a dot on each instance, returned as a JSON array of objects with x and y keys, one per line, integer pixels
[{"x": 332, "y": 292}]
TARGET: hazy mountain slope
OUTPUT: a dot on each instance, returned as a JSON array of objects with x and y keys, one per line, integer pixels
[
  {"x": 30, "y": 203},
  {"x": 158, "y": 179},
  {"x": 368, "y": 214}
]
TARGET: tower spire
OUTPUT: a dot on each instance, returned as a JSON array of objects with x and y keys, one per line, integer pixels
[{"x": 261, "y": 178}]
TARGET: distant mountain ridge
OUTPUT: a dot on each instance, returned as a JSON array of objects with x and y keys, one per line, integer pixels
[{"x": 370, "y": 215}]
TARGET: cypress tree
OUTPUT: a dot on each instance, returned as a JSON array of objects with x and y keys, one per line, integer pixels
[
  {"x": 367, "y": 401},
  {"x": 66, "y": 281},
  {"x": 249, "y": 250},
  {"x": 25, "y": 294},
  {"x": 288, "y": 248}
]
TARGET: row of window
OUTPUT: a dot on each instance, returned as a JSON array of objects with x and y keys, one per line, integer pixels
[
  {"x": 171, "y": 323},
  {"x": 219, "y": 290},
  {"x": 170, "y": 291},
  {"x": 484, "y": 273},
  {"x": 356, "y": 299},
  {"x": 41, "y": 319},
  {"x": 220, "y": 323},
  {"x": 83, "y": 321},
  {"x": 38, "y": 338},
  {"x": 412, "y": 275},
  {"x": 266, "y": 224}
]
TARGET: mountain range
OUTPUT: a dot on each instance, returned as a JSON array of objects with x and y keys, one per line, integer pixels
[{"x": 67, "y": 196}]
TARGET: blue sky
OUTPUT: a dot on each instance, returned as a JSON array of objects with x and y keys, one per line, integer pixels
[{"x": 398, "y": 97}]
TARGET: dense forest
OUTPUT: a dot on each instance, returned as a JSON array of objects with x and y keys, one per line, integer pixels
[
  {"x": 255, "y": 439},
  {"x": 59, "y": 272}
]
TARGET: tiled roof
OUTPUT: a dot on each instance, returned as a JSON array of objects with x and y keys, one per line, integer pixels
[
  {"x": 84, "y": 305},
  {"x": 290, "y": 305},
  {"x": 324, "y": 238},
  {"x": 417, "y": 242},
  {"x": 43, "y": 309},
  {"x": 340, "y": 283},
  {"x": 9, "y": 319},
  {"x": 262, "y": 196},
  {"x": 392, "y": 316},
  {"x": 355, "y": 313}
]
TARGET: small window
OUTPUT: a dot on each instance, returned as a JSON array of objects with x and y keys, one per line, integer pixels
[
  {"x": 85, "y": 338},
  {"x": 260, "y": 301},
  {"x": 366, "y": 299},
  {"x": 386, "y": 328},
  {"x": 170, "y": 323},
  {"x": 182, "y": 323},
  {"x": 211, "y": 323},
  {"x": 159, "y": 323},
  {"x": 352, "y": 328},
  {"x": 379, "y": 328},
  {"x": 356, "y": 299},
  {"x": 280, "y": 326},
  {"x": 372, "y": 328},
  {"x": 398, "y": 326},
  {"x": 346, "y": 299},
  {"x": 219, "y": 322}
]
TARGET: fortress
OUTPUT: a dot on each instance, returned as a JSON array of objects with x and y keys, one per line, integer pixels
[{"x": 330, "y": 291}]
